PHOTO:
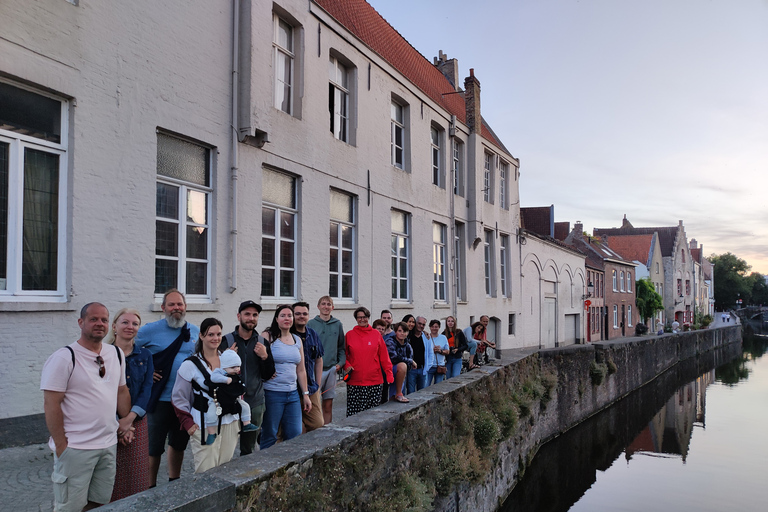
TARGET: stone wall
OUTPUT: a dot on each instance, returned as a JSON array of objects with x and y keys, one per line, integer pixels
[{"x": 459, "y": 445}]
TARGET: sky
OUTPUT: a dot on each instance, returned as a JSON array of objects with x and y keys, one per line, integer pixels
[{"x": 657, "y": 109}]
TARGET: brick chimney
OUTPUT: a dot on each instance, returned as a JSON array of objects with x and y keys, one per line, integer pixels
[
  {"x": 694, "y": 244},
  {"x": 472, "y": 101},
  {"x": 449, "y": 68}
]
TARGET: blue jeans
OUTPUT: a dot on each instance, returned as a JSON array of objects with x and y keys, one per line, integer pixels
[
  {"x": 454, "y": 366},
  {"x": 282, "y": 408},
  {"x": 416, "y": 380},
  {"x": 432, "y": 375},
  {"x": 472, "y": 347}
]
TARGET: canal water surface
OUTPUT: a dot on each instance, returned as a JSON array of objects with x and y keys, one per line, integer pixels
[{"x": 695, "y": 439}]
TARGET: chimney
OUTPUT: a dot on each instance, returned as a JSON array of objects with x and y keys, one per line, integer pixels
[
  {"x": 449, "y": 68},
  {"x": 625, "y": 223},
  {"x": 694, "y": 244},
  {"x": 472, "y": 101},
  {"x": 578, "y": 227}
]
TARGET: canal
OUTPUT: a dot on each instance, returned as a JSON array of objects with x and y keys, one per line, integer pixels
[{"x": 693, "y": 439}]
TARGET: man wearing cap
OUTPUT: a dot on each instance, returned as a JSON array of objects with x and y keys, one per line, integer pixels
[{"x": 257, "y": 366}]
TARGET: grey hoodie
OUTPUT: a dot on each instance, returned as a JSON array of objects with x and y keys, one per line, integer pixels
[{"x": 332, "y": 337}]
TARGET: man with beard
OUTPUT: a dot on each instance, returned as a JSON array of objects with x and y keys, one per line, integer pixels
[
  {"x": 422, "y": 355},
  {"x": 170, "y": 340},
  {"x": 83, "y": 385},
  {"x": 313, "y": 363},
  {"x": 257, "y": 366}
]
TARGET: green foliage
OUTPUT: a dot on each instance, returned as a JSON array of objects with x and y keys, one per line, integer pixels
[
  {"x": 486, "y": 429},
  {"x": 647, "y": 300},
  {"x": 731, "y": 280}
]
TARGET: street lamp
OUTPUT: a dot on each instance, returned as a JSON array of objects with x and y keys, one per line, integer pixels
[{"x": 590, "y": 289}]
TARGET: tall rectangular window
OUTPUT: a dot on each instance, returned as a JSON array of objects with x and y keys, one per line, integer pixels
[
  {"x": 687, "y": 286},
  {"x": 400, "y": 255},
  {"x": 342, "y": 243},
  {"x": 279, "y": 212},
  {"x": 438, "y": 261},
  {"x": 621, "y": 280},
  {"x": 629, "y": 316},
  {"x": 338, "y": 99},
  {"x": 615, "y": 317},
  {"x": 458, "y": 252},
  {"x": 458, "y": 168},
  {"x": 182, "y": 217},
  {"x": 629, "y": 282},
  {"x": 284, "y": 59},
  {"x": 488, "y": 263},
  {"x": 680, "y": 287},
  {"x": 32, "y": 194},
  {"x": 511, "y": 324},
  {"x": 488, "y": 178},
  {"x": 398, "y": 135},
  {"x": 615, "y": 282},
  {"x": 435, "y": 137},
  {"x": 504, "y": 267},
  {"x": 503, "y": 185}
]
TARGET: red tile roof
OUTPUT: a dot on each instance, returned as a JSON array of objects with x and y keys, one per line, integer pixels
[
  {"x": 632, "y": 247},
  {"x": 363, "y": 21},
  {"x": 667, "y": 235},
  {"x": 696, "y": 255}
]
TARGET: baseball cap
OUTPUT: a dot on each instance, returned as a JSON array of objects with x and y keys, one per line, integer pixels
[{"x": 249, "y": 304}]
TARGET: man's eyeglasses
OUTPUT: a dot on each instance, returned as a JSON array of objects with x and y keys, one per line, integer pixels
[{"x": 102, "y": 369}]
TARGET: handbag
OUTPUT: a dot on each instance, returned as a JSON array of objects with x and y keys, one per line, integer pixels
[{"x": 441, "y": 369}]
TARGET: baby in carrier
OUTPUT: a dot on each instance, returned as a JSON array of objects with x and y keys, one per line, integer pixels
[{"x": 228, "y": 379}]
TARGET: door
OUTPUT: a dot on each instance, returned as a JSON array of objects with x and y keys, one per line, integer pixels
[{"x": 549, "y": 319}]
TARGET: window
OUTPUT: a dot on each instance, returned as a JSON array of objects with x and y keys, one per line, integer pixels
[
  {"x": 504, "y": 256},
  {"x": 182, "y": 217},
  {"x": 504, "y": 185},
  {"x": 687, "y": 286},
  {"x": 458, "y": 168},
  {"x": 33, "y": 172},
  {"x": 615, "y": 316},
  {"x": 438, "y": 260},
  {"x": 436, "y": 139},
  {"x": 342, "y": 246},
  {"x": 682, "y": 254},
  {"x": 338, "y": 99},
  {"x": 458, "y": 253},
  {"x": 629, "y": 316},
  {"x": 629, "y": 282},
  {"x": 621, "y": 280},
  {"x": 400, "y": 254},
  {"x": 680, "y": 287},
  {"x": 398, "y": 135},
  {"x": 283, "y": 44},
  {"x": 488, "y": 178},
  {"x": 657, "y": 267},
  {"x": 615, "y": 284},
  {"x": 511, "y": 324},
  {"x": 488, "y": 263},
  {"x": 278, "y": 234}
]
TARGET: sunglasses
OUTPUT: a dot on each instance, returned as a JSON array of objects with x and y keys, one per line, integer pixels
[{"x": 102, "y": 368}]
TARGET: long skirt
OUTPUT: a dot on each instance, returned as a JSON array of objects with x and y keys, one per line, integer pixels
[
  {"x": 132, "y": 475},
  {"x": 362, "y": 398}
]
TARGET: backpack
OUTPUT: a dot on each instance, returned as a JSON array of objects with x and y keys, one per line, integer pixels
[
  {"x": 224, "y": 395},
  {"x": 72, "y": 353}
]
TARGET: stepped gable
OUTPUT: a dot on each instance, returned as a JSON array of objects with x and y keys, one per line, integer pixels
[
  {"x": 632, "y": 247},
  {"x": 362, "y": 20}
]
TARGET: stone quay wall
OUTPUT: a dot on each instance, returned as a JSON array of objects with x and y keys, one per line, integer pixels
[{"x": 458, "y": 445}]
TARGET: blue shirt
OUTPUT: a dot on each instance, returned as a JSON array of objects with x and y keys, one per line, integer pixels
[
  {"x": 287, "y": 358},
  {"x": 138, "y": 378},
  {"x": 156, "y": 336},
  {"x": 313, "y": 348}
]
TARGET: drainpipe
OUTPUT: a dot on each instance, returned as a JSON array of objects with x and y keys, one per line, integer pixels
[
  {"x": 234, "y": 149},
  {"x": 454, "y": 270}
]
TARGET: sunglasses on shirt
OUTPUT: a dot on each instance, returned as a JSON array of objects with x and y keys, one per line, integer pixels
[{"x": 102, "y": 368}]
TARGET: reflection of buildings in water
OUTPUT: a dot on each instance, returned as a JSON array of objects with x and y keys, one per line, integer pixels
[{"x": 669, "y": 431}]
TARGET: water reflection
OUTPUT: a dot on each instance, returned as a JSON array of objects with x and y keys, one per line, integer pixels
[{"x": 656, "y": 421}]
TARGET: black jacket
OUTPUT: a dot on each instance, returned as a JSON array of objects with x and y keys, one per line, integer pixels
[{"x": 254, "y": 370}]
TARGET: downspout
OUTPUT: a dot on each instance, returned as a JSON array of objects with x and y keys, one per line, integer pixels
[
  {"x": 234, "y": 149},
  {"x": 454, "y": 270}
]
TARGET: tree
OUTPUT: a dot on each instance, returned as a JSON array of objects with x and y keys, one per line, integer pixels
[
  {"x": 731, "y": 282},
  {"x": 647, "y": 300},
  {"x": 759, "y": 289}
]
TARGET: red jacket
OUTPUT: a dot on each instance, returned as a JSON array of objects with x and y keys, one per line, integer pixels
[{"x": 367, "y": 354}]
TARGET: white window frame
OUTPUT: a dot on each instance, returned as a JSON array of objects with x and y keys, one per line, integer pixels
[
  {"x": 615, "y": 281},
  {"x": 503, "y": 185},
  {"x": 397, "y": 126},
  {"x": 340, "y": 225},
  {"x": 436, "y": 153},
  {"x": 615, "y": 316},
  {"x": 488, "y": 177},
  {"x": 504, "y": 265},
  {"x": 629, "y": 316},
  {"x": 401, "y": 240},
  {"x": 621, "y": 281},
  {"x": 438, "y": 261},
  {"x": 488, "y": 263},
  {"x": 458, "y": 248},
  {"x": 290, "y": 55},
  {"x": 18, "y": 143},
  {"x": 277, "y": 268},
  {"x": 629, "y": 281},
  {"x": 458, "y": 168},
  {"x": 340, "y": 125},
  {"x": 511, "y": 320},
  {"x": 185, "y": 187}
]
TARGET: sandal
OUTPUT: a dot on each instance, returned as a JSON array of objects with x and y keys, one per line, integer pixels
[{"x": 401, "y": 399}]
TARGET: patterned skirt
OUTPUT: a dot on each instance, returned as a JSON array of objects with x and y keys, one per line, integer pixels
[
  {"x": 362, "y": 398},
  {"x": 132, "y": 475}
]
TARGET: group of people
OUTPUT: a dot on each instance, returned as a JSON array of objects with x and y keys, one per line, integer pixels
[{"x": 111, "y": 410}]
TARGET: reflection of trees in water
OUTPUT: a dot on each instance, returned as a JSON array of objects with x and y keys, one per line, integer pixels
[{"x": 754, "y": 346}]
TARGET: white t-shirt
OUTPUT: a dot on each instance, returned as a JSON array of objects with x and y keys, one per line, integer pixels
[
  {"x": 189, "y": 372},
  {"x": 90, "y": 401}
]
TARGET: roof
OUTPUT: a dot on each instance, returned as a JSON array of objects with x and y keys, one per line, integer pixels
[
  {"x": 562, "y": 229},
  {"x": 667, "y": 234},
  {"x": 596, "y": 251},
  {"x": 538, "y": 219},
  {"x": 632, "y": 247},
  {"x": 365, "y": 23},
  {"x": 696, "y": 255}
]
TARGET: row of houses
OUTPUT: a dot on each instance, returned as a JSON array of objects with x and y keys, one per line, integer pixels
[{"x": 272, "y": 151}]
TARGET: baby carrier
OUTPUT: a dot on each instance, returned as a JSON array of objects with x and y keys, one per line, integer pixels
[{"x": 223, "y": 395}]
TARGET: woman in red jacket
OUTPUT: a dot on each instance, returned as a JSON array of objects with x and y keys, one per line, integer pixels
[{"x": 367, "y": 355}]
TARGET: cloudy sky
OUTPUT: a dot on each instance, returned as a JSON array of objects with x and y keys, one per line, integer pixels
[{"x": 655, "y": 109}]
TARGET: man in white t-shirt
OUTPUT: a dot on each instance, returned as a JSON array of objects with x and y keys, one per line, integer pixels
[{"x": 81, "y": 400}]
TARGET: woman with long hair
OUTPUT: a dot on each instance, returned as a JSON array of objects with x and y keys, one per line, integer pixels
[
  {"x": 283, "y": 403},
  {"x": 438, "y": 344},
  {"x": 132, "y": 474},
  {"x": 478, "y": 335},
  {"x": 457, "y": 344},
  {"x": 187, "y": 399}
]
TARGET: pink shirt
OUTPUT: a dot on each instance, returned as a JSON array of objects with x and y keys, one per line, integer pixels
[{"x": 90, "y": 402}]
